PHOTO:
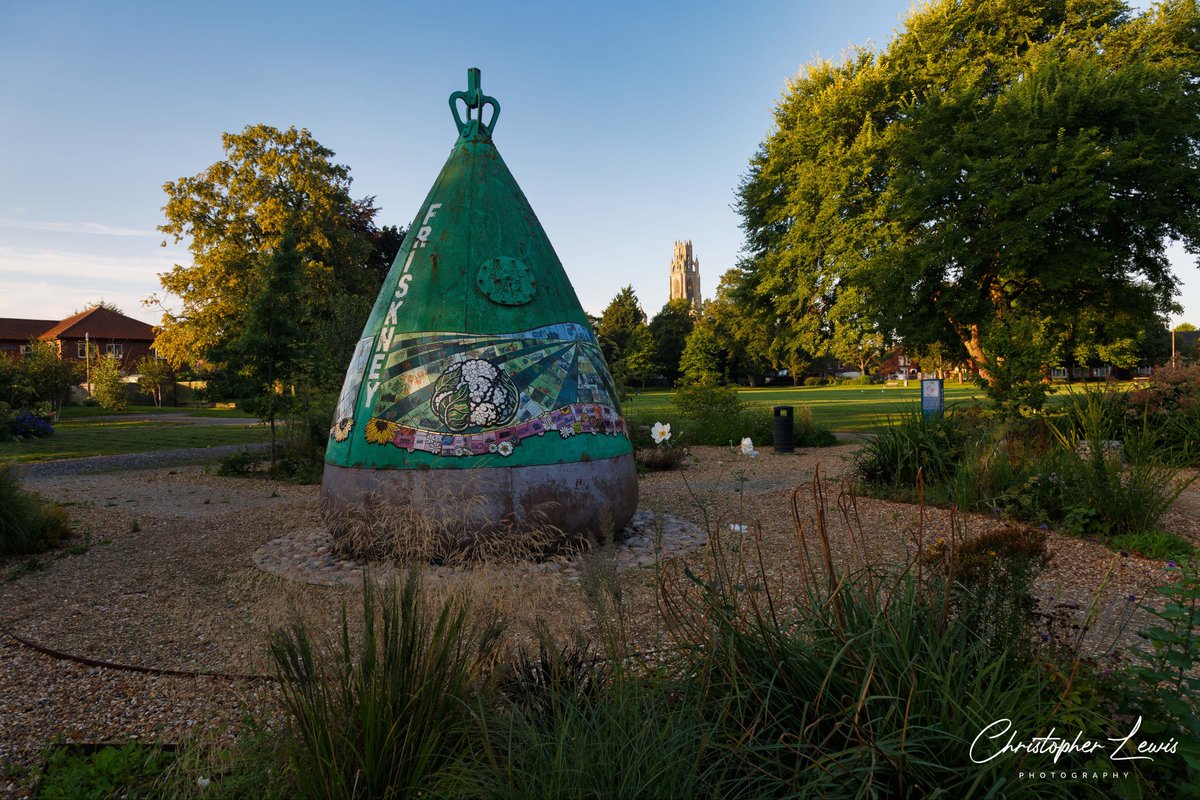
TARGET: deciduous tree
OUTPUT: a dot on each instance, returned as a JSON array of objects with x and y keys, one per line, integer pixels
[
  {"x": 994, "y": 173},
  {"x": 237, "y": 211},
  {"x": 108, "y": 383},
  {"x": 625, "y": 339},
  {"x": 670, "y": 328},
  {"x": 268, "y": 348},
  {"x": 153, "y": 374}
]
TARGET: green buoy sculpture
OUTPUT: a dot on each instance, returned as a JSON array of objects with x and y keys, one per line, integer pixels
[{"x": 477, "y": 378}]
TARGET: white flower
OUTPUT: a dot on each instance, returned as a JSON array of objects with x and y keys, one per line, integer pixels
[
  {"x": 504, "y": 448},
  {"x": 739, "y": 528},
  {"x": 661, "y": 432},
  {"x": 202, "y": 782},
  {"x": 748, "y": 448}
]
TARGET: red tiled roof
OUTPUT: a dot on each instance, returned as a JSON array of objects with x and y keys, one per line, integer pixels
[
  {"x": 24, "y": 329},
  {"x": 100, "y": 323}
]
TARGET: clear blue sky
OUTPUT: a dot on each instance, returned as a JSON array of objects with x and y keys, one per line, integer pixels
[{"x": 628, "y": 125}]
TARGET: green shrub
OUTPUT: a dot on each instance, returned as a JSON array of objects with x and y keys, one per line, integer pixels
[
  {"x": 1162, "y": 689},
  {"x": 241, "y": 463},
  {"x": 813, "y": 381},
  {"x": 305, "y": 437},
  {"x": 1170, "y": 406},
  {"x": 128, "y": 771},
  {"x": 994, "y": 572},
  {"x": 7, "y": 415},
  {"x": 700, "y": 401},
  {"x": 1112, "y": 490},
  {"x": 1093, "y": 473},
  {"x": 108, "y": 385},
  {"x": 1154, "y": 544},
  {"x": 725, "y": 428},
  {"x": 807, "y": 433},
  {"x": 28, "y": 524}
]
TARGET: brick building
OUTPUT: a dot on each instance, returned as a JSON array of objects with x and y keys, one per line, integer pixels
[{"x": 106, "y": 331}]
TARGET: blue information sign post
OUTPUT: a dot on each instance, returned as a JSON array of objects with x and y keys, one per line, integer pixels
[{"x": 932, "y": 397}]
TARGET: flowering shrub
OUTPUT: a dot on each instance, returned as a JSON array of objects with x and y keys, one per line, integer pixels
[
  {"x": 28, "y": 426},
  {"x": 663, "y": 455},
  {"x": 24, "y": 424}
]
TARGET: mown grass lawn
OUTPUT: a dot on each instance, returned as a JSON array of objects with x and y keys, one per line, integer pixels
[
  {"x": 839, "y": 408},
  {"x": 77, "y": 438},
  {"x": 83, "y": 412}
]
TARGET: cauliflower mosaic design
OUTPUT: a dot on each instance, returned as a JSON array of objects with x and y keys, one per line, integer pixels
[{"x": 474, "y": 394}]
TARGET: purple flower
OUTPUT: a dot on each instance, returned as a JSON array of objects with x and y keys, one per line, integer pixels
[
  {"x": 1044, "y": 526},
  {"x": 1171, "y": 565},
  {"x": 1124, "y": 554},
  {"x": 1045, "y": 637},
  {"x": 1132, "y": 598}
]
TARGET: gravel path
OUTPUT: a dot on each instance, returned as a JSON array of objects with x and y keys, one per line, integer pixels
[
  {"x": 163, "y": 575},
  {"x": 131, "y": 461}
]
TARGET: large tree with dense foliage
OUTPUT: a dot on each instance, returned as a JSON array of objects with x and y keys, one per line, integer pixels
[
  {"x": 625, "y": 338},
  {"x": 670, "y": 328},
  {"x": 266, "y": 355},
  {"x": 742, "y": 335},
  {"x": 237, "y": 211},
  {"x": 992, "y": 179}
]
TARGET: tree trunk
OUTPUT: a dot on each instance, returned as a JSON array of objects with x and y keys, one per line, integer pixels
[{"x": 972, "y": 342}]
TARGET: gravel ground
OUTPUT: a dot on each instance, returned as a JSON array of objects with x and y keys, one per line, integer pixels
[
  {"x": 163, "y": 575},
  {"x": 132, "y": 461}
]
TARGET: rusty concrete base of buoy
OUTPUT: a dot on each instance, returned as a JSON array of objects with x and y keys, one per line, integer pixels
[{"x": 592, "y": 498}]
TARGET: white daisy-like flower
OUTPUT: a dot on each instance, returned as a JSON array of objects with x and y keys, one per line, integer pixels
[
  {"x": 566, "y": 433},
  {"x": 504, "y": 448},
  {"x": 661, "y": 432},
  {"x": 492, "y": 447},
  {"x": 748, "y": 448}
]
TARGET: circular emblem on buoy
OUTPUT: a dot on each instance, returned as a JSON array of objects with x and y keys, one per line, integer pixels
[{"x": 506, "y": 281}]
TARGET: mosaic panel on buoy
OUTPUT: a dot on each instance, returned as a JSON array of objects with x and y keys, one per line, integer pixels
[{"x": 458, "y": 394}]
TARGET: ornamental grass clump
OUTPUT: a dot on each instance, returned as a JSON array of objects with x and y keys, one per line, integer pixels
[
  {"x": 386, "y": 715},
  {"x": 865, "y": 681},
  {"x": 932, "y": 444},
  {"x": 573, "y": 724}
]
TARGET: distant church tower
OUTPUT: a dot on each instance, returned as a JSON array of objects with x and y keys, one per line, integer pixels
[{"x": 685, "y": 274}]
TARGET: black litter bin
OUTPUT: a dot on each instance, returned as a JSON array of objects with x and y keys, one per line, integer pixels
[{"x": 785, "y": 438}]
